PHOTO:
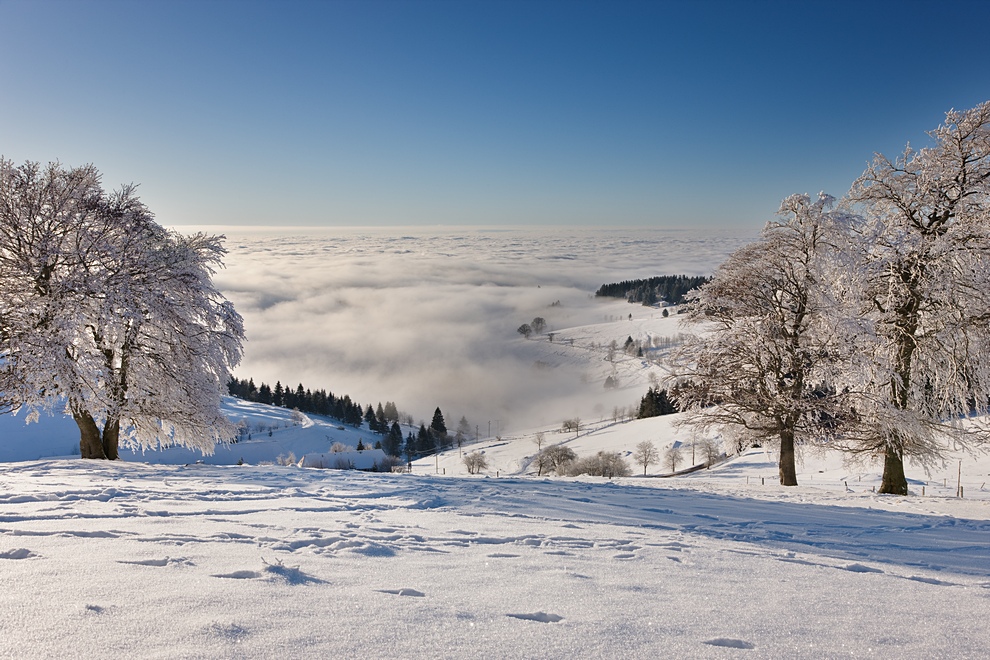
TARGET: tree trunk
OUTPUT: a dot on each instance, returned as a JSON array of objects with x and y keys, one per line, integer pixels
[
  {"x": 111, "y": 439},
  {"x": 894, "y": 482},
  {"x": 788, "y": 473},
  {"x": 90, "y": 443}
]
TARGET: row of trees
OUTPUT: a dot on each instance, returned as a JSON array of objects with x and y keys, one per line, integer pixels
[
  {"x": 317, "y": 402},
  {"x": 535, "y": 327},
  {"x": 109, "y": 315},
  {"x": 382, "y": 419},
  {"x": 862, "y": 324},
  {"x": 666, "y": 288}
]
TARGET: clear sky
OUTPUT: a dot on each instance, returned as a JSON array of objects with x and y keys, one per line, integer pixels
[{"x": 668, "y": 114}]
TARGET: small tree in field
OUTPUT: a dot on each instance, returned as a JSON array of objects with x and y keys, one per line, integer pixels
[
  {"x": 475, "y": 462},
  {"x": 557, "y": 458},
  {"x": 673, "y": 457},
  {"x": 646, "y": 454},
  {"x": 525, "y": 330},
  {"x": 711, "y": 449},
  {"x": 538, "y": 325},
  {"x": 539, "y": 439}
]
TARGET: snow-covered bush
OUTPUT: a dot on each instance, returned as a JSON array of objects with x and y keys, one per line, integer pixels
[
  {"x": 388, "y": 463},
  {"x": 603, "y": 464}
]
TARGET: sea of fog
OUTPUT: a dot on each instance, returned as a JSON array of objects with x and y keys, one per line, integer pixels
[{"x": 427, "y": 317}]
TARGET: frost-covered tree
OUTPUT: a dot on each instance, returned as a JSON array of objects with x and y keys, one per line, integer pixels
[
  {"x": 104, "y": 311},
  {"x": 923, "y": 287},
  {"x": 463, "y": 432},
  {"x": 673, "y": 456},
  {"x": 646, "y": 454},
  {"x": 762, "y": 367},
  {"x": 475, "y": 462},
  {"x": 555, "y": 457}
]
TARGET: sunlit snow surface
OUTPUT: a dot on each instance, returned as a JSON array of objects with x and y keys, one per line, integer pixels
[
  {"x": 428, "y": 317},
  {"x": 133, "y": 560}
]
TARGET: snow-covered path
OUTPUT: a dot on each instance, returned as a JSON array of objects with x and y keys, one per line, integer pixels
[{"x": 133, "y": 560}]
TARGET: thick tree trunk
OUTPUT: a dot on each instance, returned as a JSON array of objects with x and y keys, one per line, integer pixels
[
  {"x": 90, "y": 442},
  {"x": 788, "y": 473},
  {"x": 894, "y": 482},
  {"x": 111, "y": 438}
]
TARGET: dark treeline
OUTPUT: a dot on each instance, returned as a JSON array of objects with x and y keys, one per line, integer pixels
[
  {"x": 318, "y": 402},
  {"x": 382, "y": 419},
  {"x": 665, "y": 288},
  {"x": 655, "y": 403}
]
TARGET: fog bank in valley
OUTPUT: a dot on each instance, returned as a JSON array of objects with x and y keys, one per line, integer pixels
[{"x": 428, "y": 317}]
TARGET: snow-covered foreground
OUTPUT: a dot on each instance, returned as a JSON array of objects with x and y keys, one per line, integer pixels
[{"x": 138, "y": 560}]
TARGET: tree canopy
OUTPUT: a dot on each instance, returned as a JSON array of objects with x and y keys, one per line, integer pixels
[{"x": 109, "y": 314}]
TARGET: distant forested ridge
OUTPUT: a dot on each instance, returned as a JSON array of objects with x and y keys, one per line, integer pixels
[{"x": 665, "y": 288}]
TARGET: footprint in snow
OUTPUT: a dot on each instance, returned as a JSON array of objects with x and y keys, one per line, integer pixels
[
  {"x": 403, "y": 592},
  {"x": 239, "y": 575},
  {"x": 730, "y": 643},
  {"x": 860, "y": 568},
  {"x": 542, "y": 617},
  {"x": 17, "y": 553},
  {"x": 229, "y": 631},
  {"x": 155, "y": 562}
]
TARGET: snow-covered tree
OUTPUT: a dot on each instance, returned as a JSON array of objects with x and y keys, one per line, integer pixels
[
  {"x": 923, "y": 286},
  {"x": 646, "y": 454},
  {"x": 673, "y": 456},
  {"x": 106, "y": 312},
  {"x": 761, "y": 370},
  {"x": 475, "y": 462}
]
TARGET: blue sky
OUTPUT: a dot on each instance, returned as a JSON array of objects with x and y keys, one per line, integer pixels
[{"x": 667, "y": 114}]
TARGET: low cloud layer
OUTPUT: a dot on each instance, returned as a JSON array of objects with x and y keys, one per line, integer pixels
[{"x": 428, "y": 318}]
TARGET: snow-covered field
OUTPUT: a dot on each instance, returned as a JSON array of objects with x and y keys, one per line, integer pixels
[
  {"x": 198, "y": 561},
  {"x": 139, "y": 559}
]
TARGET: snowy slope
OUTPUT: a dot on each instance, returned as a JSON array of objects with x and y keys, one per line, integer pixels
[
  {"x": 270, "y": 433},
  {"x": 135, "y": 560}
]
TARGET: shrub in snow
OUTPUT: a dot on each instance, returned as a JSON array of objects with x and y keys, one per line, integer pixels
[
  {"x": 339, "y": 447},
  {"x": 603, "y": 464},
  {"x": 387, "y": 464}
]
